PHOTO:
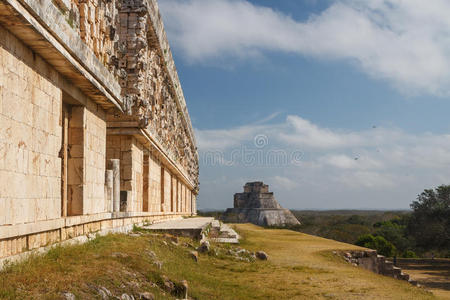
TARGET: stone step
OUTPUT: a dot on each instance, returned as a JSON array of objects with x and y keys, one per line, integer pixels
[
  {"x": 226, "y": 240},
  {"x": 404, "y": 276},
  {"x": 388, "y": 265},
  {"x": 413, "y": 282},
  {"x": 192, "y": 227},
  {"x": 226, "y": 235},
  {"x": 215, "y": 224},
  {"x": 396, "y": 271}
]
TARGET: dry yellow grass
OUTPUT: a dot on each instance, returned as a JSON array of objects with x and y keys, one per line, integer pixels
[
  {"x": 305, "y": 263},
  {"x": 299, "y": 267}
]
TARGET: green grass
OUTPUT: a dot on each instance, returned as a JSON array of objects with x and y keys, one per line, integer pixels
[{"x": 299, "y": 267}]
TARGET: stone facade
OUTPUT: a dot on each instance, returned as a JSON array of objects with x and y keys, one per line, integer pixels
[
  {"x": 85, "y": 83},
  {"x": 258, "y": 206}
]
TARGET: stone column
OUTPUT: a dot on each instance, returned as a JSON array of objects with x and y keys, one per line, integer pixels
[
  {"x": 109, "y": 184},
  {"x": 114, "y": 165}
]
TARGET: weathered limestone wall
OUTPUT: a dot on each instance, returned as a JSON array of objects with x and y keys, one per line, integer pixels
[
  {"x": 174, "y": 194},
  {"x": 31, "y": 139},
  {"x": 155, "y": 183},
  {"x": 137, "y": 160},
  {"x": 131, "y": 155},
  {"x": 30, "y": 135},
  {"x": 76, "y": 163},
  {"x": 95, "y": 154},
  {"x": 67, "y": 75},
  {"x": 182, "y": 198},
  {"x": 167, "y": 190},
  {"x": 194, "y": 204}
]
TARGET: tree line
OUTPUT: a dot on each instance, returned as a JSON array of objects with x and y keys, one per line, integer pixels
[{"x": 424, "y": 231}]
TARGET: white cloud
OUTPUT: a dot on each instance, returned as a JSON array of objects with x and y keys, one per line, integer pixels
[
  {"x": 284, "y": 182},
  {"x": 380, "y": 162},
  {"x": 223, "y": 139},
  {"x": 404, "y": 42}
]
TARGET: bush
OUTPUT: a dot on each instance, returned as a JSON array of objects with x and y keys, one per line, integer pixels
[
  {"x": 378, "y": 243},
  {"x": 409, "y": 254}
]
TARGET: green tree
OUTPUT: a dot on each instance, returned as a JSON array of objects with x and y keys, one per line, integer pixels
[
  {"x": 395, "y": 233},
  {"x": 378, "y": 243},
  {"x": 429, "y": 224}
]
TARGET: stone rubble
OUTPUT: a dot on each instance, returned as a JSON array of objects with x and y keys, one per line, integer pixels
[
  {"x": 68, "y": 296},
  {"x": 262, "y": 255},
  {"x": 146, "y": 296},
  {"x": 204, "y": 247},
  {"x": 194, "y": 255}
]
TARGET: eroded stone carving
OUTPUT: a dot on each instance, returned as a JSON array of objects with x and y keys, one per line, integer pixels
[
  {"x": 123, "y": 37},
  {"x": 146, "y": 87}
]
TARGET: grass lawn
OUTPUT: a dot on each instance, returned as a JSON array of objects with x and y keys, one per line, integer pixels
[{"x": 300, "y": 266}]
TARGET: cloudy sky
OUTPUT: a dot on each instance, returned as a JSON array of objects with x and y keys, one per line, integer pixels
[{"x": 334, "y": 104}]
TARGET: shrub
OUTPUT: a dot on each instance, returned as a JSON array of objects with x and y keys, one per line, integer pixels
[
  {"x": 378, "y": 243},
  {"x": 409, "y": 254}
]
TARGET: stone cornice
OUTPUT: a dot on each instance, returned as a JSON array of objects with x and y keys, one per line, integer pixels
[
  {"x": 42, "y": 26},
  {"x": 150, "y": 143}
]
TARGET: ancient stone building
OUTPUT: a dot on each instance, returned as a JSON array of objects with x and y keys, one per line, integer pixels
[
  {"x": 94, "y": 130},
  {"x": 258, "y": 206}
]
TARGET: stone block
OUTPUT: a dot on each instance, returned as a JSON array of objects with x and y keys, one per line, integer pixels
[
  {"x": 76, "y": 136},
  {"x": 78, "y": 117},
  {"x": 107, "y": 224},
  {"x": 2, "y": 209},
  {"x": 41, "y": 209},
  {"x": 76, "y": 151},
  {"x": 127, "y": 158},
  {"x": 91, "y": 14},
  {"x": 127, "y": 173},
  {"x": 3, "y": 248},
  {"x": 23, "y": 210},
  {"x": 63, "y": 4},
  {"x": 1, "y": 96},
  {"x": 75, "y": 199},
  {"x": 126, "y": 185},
  {"x": 35, "y": 241},
  {"x": 92, "y": 227}
]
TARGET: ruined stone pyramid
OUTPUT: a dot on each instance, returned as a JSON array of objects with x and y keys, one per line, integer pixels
[{"x": 258, "y": 206}]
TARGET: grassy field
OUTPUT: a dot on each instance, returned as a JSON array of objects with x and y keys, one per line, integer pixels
[{"x": 300, "y": 266}]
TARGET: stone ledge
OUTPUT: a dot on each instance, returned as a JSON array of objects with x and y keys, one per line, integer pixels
[
  {"x": 10, "y": 231},
  {"x": 79, "y": 239},
  {"x": 13, "y": 231}
]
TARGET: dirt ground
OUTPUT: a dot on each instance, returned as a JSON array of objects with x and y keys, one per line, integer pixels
[{"x": 434, "y": 275}]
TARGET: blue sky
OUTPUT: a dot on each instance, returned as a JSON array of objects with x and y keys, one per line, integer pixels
[{"x": 359, "y": 88}]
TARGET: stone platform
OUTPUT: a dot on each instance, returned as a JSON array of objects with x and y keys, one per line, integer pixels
[
  {"x": 198, "y": 228},
  {"x": 261, "y": 216}
]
